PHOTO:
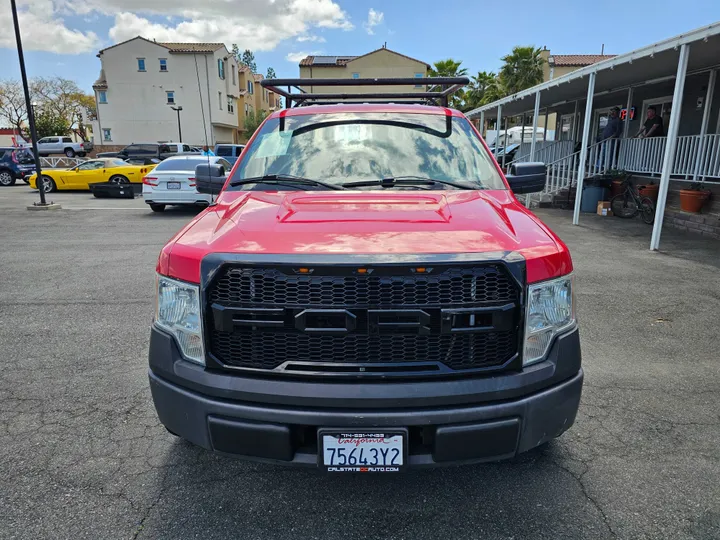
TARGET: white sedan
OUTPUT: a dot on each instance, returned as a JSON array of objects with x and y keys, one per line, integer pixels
[{"x": 173, "y": 181}]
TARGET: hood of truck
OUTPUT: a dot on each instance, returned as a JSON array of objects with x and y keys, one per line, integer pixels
[{"x": 363, "y": 222}]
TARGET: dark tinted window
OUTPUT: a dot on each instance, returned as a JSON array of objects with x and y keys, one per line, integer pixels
[
  {"x": 67, "y": 139},
  {"x": 224, "y": 151}
]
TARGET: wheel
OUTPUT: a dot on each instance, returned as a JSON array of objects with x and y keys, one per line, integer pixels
[
  {"x": 82, "y": 154},
  {"x": 119, "y": 179},
  {"x": 623, "y": 205},
  {"x": 48, "y": 184},
  {"x": 69, "y": 152},
  {"x": 157, "y": 207},
  {"x": 647, "y": 210},
  {"x": 6, "y": 178}
]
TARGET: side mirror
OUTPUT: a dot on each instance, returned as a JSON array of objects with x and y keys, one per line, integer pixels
[
  {"x": 209, "y": 179},
  {"x": 526, "y": 177}
]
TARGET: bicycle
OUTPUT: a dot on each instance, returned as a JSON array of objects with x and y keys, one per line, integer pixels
[{"x": 629, "y": 204}]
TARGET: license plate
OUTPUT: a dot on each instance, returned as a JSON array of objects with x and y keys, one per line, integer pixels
[
  {"x": 352, "y": 451},
  {"x": 173, "y": 185}
]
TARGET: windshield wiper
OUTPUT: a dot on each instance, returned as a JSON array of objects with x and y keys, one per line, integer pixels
[
  {"x": 283, "y": 179},
  {"x": 407, "y": 181}
]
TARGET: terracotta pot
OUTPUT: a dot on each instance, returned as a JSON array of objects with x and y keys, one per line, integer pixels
[
  {"x": 650, "y": 190},
  {"x": 693, "y": 200},
  {"x": 616, "y": 188}
]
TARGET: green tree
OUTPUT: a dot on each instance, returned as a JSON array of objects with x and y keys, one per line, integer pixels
[
  {"x": 248, "y": 59},
  {"x": 450, "y": 68},
  {"x": 522, "y": 68},
  {"x": 48, "y": 122},
  {"x": 253, "y": 121},
  {"x": 235, "y": 51},
  {"x": 479, "y": 86},
  {"x": 271, "y": 74}
]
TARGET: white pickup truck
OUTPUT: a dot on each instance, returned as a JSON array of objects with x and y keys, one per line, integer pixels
[{"x": 63, "y": 145}]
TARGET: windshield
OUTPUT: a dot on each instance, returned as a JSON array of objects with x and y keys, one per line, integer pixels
[
  {"x": 339, "y": 148},
  {"x": 188, "y": 164}
]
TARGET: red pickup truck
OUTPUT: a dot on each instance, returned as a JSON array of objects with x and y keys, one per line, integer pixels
[{"x": 366, "y": 295}]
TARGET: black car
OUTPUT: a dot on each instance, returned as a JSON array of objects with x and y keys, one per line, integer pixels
[
  {"x": 15, "y": 163},
  {"x": 147, "y": 151}
]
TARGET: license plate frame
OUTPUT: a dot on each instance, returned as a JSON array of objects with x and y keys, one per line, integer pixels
[
  {"x": 358, "y": 434},
  {"x": 174, "y": 185}
]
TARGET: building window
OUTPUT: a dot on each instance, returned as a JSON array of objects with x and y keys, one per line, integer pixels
[
  {"x": 170, "y": 97},
  {"x": 250, "y": 87},
  {"x": 232, "y": 68},
  {"x": 230, "y": 105},
  {"x": 419, "y": 76},
  {"x": 107, "y": 136},
  {"x": 141, "y": 64},
  {"x": 220, "y": 100},
  {"x": 247, "y": 108},
  {"x": 221, "y": 68},
  {"x": 163, "y": 64},
  {"x": 102, "y": 96}
]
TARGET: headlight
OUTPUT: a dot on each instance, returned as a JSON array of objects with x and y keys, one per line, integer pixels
[
  {"x": 550, "y": 309},
  {"x": 178, "y": 312}
]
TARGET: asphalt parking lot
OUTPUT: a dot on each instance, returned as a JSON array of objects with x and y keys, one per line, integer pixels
[{"x": 82, "y": 454}]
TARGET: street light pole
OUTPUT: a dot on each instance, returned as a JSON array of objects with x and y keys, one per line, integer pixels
[
  {"x": 28, "y": 105},
  {"x": 177, "y": 110}
]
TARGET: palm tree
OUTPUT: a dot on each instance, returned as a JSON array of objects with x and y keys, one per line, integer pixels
[
  {"x": 523, "y": 68},
  {"x": 450, "y": 68},
  {"x": 479, "y": 85}
]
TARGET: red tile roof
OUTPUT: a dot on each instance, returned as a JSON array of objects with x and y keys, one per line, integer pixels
[
  {"x": 192, "y": 47},
  {"x": 578, "y": 59}
]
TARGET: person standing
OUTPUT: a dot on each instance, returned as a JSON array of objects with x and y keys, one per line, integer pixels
[
  {"x": 653, "y": 126},
  {"x": 207, "y": 152},
  {"x": 610, "y": 133}
]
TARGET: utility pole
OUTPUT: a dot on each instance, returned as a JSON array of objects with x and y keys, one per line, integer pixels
[
  {"x": 28, "y": 107},
  {"x": 178, "y": 109}
]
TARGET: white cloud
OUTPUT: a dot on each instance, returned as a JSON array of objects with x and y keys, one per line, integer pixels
[
  {"x": 316, "y": 39},
  {"x": 258, "y": 25},
  {"x": 295, "y": 57},
  {"x": 42, "y": 29},
  {"x": 374, "y": 18}
]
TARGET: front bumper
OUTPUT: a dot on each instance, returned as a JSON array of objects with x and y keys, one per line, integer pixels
[{"x": 449, "y": 421}]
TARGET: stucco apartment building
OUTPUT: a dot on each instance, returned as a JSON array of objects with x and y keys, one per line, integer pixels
[
  {"x": 142, "y": 80},
  {"x": 380, "y": 63},
  {"x": 253, "y": 99}
]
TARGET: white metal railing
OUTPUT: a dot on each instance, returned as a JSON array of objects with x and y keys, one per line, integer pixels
[
  {"x": 545, "y": 151},
  {"x": 645, "y": 156},
  {"x": 561, "y": 174},
  {"x": 61, "y": 162}
]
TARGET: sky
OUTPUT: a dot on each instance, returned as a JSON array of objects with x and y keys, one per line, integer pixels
[{"x": 62, "y": 37}]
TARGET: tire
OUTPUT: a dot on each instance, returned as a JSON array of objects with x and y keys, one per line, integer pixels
[
  {"x": 48, "y": 184},
  {"x": 7, "y": 178},
  {"x": 623, "y": 205},
  {"x": 119, "y": 179},
  {"x": 69, "y": 152},
  {"x": 82, "y": 154},
  {"x": 26, "y": 181},
  {"x": 157, "y": 207},
  {"x": 647, "y": 210}
]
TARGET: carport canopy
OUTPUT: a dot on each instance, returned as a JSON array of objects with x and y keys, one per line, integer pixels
[{"x": 654, "y": 63}]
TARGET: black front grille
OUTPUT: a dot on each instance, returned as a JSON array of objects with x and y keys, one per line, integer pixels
[
  {"x": 275, "y": 287},
  {"x": 268, "y": 350},
  {"x": 279, "y": 294}
]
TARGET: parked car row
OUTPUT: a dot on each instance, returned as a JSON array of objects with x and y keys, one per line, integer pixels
[
  {"x": 15, "y": 164},
  {"x": 93, "y": 171}
]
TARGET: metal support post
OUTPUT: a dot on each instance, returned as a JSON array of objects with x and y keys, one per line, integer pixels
[
  {"x": 705, "y": 121},
  {"x": 536, "y": 113},
  {"x": 584, "y": 147},
  {"x": 670, "y": 145}
]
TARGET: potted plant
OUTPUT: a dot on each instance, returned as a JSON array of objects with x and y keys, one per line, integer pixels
[
  {"x": 617, "y": 176},
  {"x": 693, "y": 198},
  {"x": 649, "y": 190}
]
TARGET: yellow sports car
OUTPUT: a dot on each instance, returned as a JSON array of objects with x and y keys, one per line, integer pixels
[{"x": 91, "y": 172}]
